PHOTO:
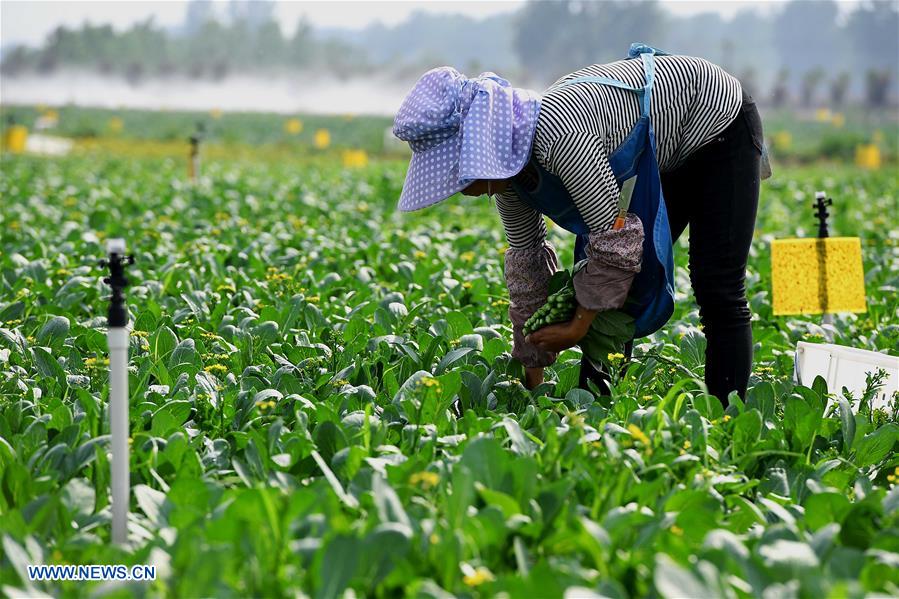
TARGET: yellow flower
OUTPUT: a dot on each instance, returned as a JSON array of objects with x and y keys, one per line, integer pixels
[
  {"x": 313, "y": 299},
  {"x": 726, "y": 418},
  {"x": 293, "y": 126},
  {"x": 615, "y": 358},
  {"x": 216, "y": 369},
  {"x": 96, "y": 363},
  {"x": 427, "y": 480},
  {"x": 429, "y": 381},
  {"x": 478, "y": 577},
  {"x": 466, "y": 285},
  {"x": 677, "y": 530},
  {"x": 142, "y": 334},
  {"x": 687, "y": 444},
  {"x": 637, "y": 434},
  {"x": 466, "y": 256},
  {"x": 419, "y": 254}
]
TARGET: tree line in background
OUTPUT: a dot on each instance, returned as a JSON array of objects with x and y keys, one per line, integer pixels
[{"x": 804, "y": 53}]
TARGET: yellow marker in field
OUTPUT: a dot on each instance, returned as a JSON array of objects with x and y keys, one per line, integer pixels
[
  {"x": 322, "y": 139},
  {"x": 868, "y": 156},
  {"x": 817, "y": 276},
  {"x": 355, "y": 158},
  {"x": 293, "y": 126},
  {"x": 116, "y": 124},
  {"x": 782, "y": 140},
  {"x": 15, "y": 138}
]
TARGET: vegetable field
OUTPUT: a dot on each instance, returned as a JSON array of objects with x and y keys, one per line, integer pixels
[{"x": 323, "y": 402}]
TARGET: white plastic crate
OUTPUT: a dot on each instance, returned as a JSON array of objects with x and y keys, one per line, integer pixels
[{"x": 846, "y": 367}]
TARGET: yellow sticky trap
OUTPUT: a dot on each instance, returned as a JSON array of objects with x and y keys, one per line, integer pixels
[
  {"x": 322, "y": 139},
  {"x": 15, "y": 139},
  {"x": 817, "y": 276},
  {"x": 354, "y": 158}
]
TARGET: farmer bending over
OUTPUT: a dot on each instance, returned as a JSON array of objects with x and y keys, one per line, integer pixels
[{"x": 625, "y": 155}]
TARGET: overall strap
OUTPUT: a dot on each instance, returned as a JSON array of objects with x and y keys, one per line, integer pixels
[
  {"x": 645, "y": 92},
  {"x": 649, "y": 69}
]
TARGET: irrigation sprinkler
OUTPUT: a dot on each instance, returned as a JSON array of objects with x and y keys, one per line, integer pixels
[
  {"x": 820, "y": 206},
  {"x": 193, "y": 164},
  {"x": 117, "y": 337}
]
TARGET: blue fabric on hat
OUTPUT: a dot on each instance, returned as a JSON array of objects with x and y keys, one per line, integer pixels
[{"x": 461, "y": 130}]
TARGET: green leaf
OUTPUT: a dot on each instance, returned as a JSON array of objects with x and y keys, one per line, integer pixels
[
  {"x": 761, "y": 397},
  {"x": 788, "y": 554},
  {"x": 862, "y": 524},
  {"x": 385, "y": 548},
  {"x": 388, "y": 504},
  {"x": 891, "y": 501},
  {"x": 184, "y": 353},
  {"x": 48, "y": 367},
  {"x": 675, "y": 582},
  {"x": 847, "y": 424},
  {"x": 458, "y": 324},
  {"x": 150, "y": 501},
  {"x": 874, "y": 447},
  {"x": 504, "y": 502},
  {"x": 163, "y": 342},
  {"x": 822, "y": 509},
  {"x": 802, "y": 421},
  {"x": 338, "y": 563},
  {"x": 746, "y": 430},
  {"x": 344, "y": 497},
  {"x": 54, "y": 332}
]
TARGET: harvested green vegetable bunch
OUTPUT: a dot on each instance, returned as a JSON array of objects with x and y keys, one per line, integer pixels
[
  {"x": 608, "y": 334},
  {"x": 559, "y": 307}
]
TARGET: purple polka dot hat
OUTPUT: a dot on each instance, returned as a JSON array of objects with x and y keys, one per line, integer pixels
[{"x": 461, "y": 130}]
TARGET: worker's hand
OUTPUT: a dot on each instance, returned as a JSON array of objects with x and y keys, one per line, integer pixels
[
  {"x": 557, "y": 337},
  {"x": 533, "y": 377}
]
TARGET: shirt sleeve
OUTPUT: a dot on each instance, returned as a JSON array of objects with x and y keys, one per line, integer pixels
[
  {"x": 530, "y": 261},
  {"x": 523, "y": 225}
]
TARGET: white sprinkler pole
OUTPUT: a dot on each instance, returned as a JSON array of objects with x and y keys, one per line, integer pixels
[{"x": 118, "y": 339}]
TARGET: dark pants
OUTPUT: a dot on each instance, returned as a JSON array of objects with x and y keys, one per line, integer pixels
[{"x": 716, "y": 192}]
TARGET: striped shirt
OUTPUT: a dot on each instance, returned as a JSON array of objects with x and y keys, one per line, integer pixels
[{"x": 579, "y": 125}]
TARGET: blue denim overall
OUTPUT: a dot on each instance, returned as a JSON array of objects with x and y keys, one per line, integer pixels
[{"x": 651, "y": 298}]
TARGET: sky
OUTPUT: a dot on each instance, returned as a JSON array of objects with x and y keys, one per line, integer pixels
[{"x": 29, "y": 21}]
